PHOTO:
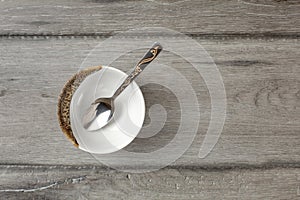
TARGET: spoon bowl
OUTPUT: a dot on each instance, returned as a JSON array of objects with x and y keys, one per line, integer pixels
[{"x": 101, "y": 111}]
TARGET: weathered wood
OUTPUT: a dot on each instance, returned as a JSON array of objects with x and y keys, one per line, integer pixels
[
  {"x": 255, "y": 44},
  {"x": 261, "y": 78},
  {"x": 93, "y": 17},
  {"x": 57, "y": 182}
]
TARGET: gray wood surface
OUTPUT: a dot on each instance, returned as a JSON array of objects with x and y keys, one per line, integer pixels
[
  {"x": 261, "y": 81},
  {"x": 40, "y": 182},
  {"x": 79, "y": 17},
  {"x": 255, "y": 45}
]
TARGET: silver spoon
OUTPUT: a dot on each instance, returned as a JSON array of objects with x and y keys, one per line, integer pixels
[{"x": 102, "y": 109}]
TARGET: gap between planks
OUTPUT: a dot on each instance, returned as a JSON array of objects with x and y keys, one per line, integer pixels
[
  {"x": 223, "y": 36},
  {"x": 218, "y": 167}
]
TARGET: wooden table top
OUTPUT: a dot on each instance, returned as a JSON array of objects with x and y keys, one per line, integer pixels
[{"x": 254, "y": 44}]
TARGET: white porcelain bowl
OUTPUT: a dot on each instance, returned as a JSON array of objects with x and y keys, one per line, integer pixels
[{"x": 128, "y": 117}]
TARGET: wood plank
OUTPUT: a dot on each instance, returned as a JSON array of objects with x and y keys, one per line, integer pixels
[
  {"x": 261, "y": 78},
  {"x": 234, "y": 17},
  {"x": 42, "y": 182}
]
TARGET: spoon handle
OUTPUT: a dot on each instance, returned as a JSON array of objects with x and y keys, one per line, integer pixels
[{"x": 148, "y": 58}]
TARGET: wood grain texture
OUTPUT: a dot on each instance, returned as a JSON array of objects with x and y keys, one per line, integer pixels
[
  {"x": 255, "y": 44},
  {"x": 42, "y": 182},
  {"x": 93, "y": 17},
  {"x": 262, "y": 83}
]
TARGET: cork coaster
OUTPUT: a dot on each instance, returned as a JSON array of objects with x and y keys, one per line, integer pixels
[{"x": 64, "y": 101}]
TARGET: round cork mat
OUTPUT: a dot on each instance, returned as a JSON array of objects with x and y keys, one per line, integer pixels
[{"x": 64, "y": 101}]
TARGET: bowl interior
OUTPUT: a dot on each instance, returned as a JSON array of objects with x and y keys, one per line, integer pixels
[{"x": 128, "y": 117}]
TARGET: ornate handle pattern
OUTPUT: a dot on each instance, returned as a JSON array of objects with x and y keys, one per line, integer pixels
[{"x": 148, "y": 58}]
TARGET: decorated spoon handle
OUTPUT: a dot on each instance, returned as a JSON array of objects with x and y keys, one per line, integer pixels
[{"x": 148, "y": 58}]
